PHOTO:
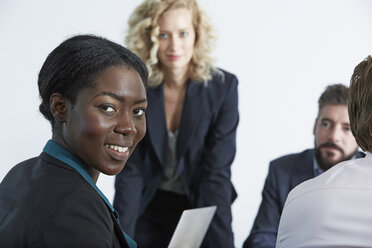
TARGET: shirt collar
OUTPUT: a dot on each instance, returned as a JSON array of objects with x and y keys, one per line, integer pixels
[
  {"x": 57, "y": 151},
  {"x": 316, "y": 169}
]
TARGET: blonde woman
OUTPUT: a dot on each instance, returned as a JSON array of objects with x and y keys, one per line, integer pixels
[{"x": 185, "y": 158}]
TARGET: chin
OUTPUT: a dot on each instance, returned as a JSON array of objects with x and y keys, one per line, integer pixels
[{"x": 113, "y": 170}]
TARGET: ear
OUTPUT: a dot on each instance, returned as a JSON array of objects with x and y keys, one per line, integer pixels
[
  {"x": 315, "y": 124},
  {"x": 58, "y": 107}
]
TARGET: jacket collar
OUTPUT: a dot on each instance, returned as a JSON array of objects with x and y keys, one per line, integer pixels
[
  {"x": 156, "y": 122},
  {"x": 304, "y": 168}
]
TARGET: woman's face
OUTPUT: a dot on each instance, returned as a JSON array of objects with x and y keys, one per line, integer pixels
[
  {"x": 106, "y": 122},
  {"x": 176, "y": 39}
]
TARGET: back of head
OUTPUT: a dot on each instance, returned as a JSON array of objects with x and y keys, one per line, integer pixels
[
  {"x": 360, "y": 104},
  {"x": 75, "y": 64},
  {"x": 336, "y": 94},
  {"x": 143, "y": 34}
]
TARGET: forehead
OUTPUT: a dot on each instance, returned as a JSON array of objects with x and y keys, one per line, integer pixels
[
  {"x": 335, "y": 113},
  {"x": 119, "y": 80},
  {"x": 175, "y": 18}
]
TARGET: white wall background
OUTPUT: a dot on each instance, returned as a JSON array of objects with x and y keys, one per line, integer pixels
[{"x": 284, "y": 53}]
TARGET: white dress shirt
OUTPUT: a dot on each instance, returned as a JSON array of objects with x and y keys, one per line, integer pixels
[{"x": 331, "y": 210}]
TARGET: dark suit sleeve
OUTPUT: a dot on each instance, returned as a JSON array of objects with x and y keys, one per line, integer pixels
[
  {"x": 128, "y": 190},
  {"x": 215, "y": 187},
  {"x": 265, "y": 227},
  {"x": 79, "y": 220}
]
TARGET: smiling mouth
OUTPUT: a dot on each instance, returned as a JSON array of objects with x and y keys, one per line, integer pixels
[
  {"x": 117, "y": 148},
  {"x": 173, "y": 57},
  {"x": 120, "y": 153}
]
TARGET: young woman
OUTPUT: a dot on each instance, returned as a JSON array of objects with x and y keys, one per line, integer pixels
[
  {"x": 185, "y": 158},
  {"x": 93, "y": 94}
]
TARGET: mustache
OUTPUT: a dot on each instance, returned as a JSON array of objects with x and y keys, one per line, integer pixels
[{"x": 331, "y": 145}]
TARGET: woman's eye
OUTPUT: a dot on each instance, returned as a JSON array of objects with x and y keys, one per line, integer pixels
[
  {"x": 184, "y": 34},
  {"x": 163, "y": 36},
  {"x": 107, "y": 108},
  {"x": 139, "y": 112}
]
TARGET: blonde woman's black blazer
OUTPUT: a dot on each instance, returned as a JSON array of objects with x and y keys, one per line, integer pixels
[{"x": 205, "y": 151}]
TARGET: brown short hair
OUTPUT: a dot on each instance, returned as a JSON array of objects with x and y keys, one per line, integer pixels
[
  {"x": 360, "y": 104},
  {"x": 335, "y": 94}
]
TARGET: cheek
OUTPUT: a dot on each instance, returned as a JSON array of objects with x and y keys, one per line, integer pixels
[
  {"x": 190, "y": 46},
  {"x": 351, "y": 143},
  {"x": 162, "y": 48},
  {"x": 320, "y": 137},
  {"x": 94, "y": 126}
]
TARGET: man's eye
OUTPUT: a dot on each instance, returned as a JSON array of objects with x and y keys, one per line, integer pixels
[
  {"x": 139, "y": 112},
  {"x": 107, "y": 108},
  {"x": 326, "y": 124}
]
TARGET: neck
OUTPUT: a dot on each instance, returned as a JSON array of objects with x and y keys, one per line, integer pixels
[
  {"x": 175, "y": 79},
  {"x": 57, "y": 138}
]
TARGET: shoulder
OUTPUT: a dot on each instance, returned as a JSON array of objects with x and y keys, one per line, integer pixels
[
  {"x": 59, "y": 189},
  {"x": 347, "y": 175},
  {"x": 83, "y": 216},
  {"x": 223, "y": 86},
  {"x": 222, "y": 78},
  {"x": 293, "y": 159}
]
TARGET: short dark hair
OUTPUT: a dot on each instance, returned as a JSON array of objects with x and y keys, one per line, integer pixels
[
  {"x": 76, "y": 63},
  {"x": 360, "y": 104},
  {"x": 335, "y": 94}
]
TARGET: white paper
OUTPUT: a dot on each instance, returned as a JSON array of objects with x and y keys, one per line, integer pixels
[{"x": 191, "y": 227}]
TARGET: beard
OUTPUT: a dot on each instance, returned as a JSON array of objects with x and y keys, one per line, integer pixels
[{"x": 325, "y": 163}]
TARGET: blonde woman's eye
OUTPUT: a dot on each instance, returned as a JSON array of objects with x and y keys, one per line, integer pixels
[
  {"x": 163, "y": 36},
  {"x": 184, "y": 34},
  {"x": 139, "y": 112}
]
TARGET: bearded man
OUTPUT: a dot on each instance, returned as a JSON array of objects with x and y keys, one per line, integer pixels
[{"x": 334, "y": 143}]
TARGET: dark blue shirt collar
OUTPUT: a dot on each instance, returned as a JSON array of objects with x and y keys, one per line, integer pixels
[
  {"x": 57, "y": 151},
  {"x": 316, "y": 169}
]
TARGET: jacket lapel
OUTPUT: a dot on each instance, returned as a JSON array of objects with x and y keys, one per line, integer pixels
[
  {"x": 156, "y": 125},
  {"x": 304, "y": 169},
  {"x": 192, "y": 108}
]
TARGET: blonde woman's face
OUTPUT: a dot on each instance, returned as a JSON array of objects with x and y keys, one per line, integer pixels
[{"x": 176, "y": 39}]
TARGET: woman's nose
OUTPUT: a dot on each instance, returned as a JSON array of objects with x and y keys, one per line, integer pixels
[{"x": 125, "y": 125}]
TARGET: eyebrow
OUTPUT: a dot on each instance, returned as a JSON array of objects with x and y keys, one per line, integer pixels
[
  {"x": 327, "y": 119},
  {"x": 179, "y": 29},
  {"x": 117, "y": 97}
]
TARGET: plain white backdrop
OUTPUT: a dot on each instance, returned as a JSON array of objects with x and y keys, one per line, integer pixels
[{"x": 284, "y": 52}]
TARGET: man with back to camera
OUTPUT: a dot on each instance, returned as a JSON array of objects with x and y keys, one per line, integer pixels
[
  {"x": 334, "y": 143},
  {"x": 334, "y": 209}
]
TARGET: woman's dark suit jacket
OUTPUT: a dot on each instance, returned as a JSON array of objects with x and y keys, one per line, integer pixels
[
  {"x": 46, "y": 203},
  {"x": 205, "y": 151}
]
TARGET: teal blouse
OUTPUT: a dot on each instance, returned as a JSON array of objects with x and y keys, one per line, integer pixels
[{"x": 60, "y": 153}]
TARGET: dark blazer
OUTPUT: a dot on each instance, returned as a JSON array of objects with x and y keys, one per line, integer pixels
[
  {"x": 205, "y": 151},
  {"x": 46, "y": 203},
  {"x": 285, "y": 173}
]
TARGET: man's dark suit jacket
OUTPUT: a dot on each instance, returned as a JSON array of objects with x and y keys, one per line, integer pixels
[
  {"x": 285, "y": 173},
  {"x": 46, "y": 203},
  {"x": 205, "y": 151}
]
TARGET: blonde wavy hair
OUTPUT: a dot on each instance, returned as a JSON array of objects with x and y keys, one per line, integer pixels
[{"x": 143, "y": 33}]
